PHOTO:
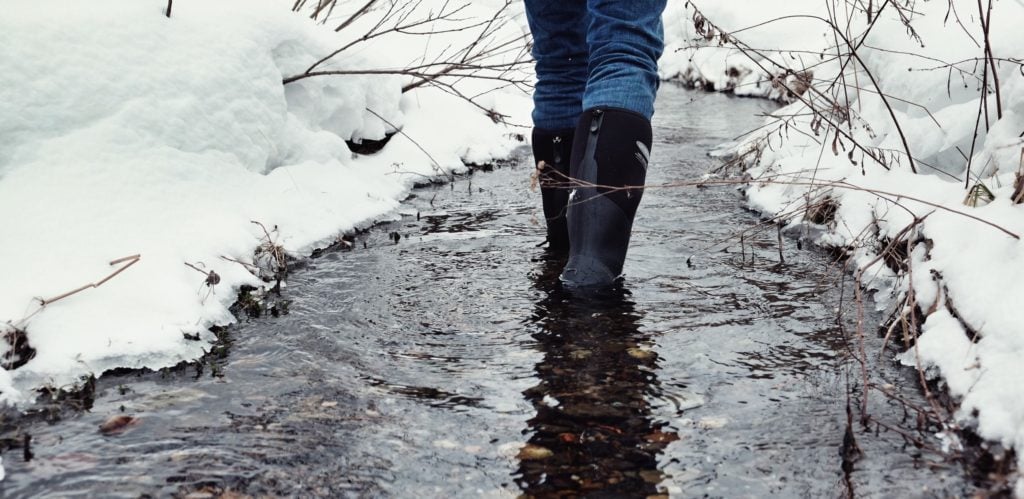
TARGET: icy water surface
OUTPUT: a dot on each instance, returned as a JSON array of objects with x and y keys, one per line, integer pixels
[{"x": 449, "y": 364}]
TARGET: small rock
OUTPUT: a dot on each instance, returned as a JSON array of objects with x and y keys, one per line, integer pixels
[
  {"x": 179, "y": 456},
  {"x": 712, "y": 423},
  {"x": 328, "y": 405},
  {"x": 117, "y": 424},
  {"x": 550, "y": 401},
  {"x": 509, "y": 449},
  {"x": 531, "y": 452},
  {"x": 445, "y": 444},
  {"x": 640, "y": 353},
  {"x": 661, "y": 437}
]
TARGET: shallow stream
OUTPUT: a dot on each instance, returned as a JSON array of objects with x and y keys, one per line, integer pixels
[{"x": 449, "y": 364}]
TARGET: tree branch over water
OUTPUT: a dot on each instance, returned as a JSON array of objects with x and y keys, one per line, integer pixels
[{"x": 490, "y": 54}]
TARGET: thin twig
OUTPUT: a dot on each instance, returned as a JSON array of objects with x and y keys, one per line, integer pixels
[
  {"x": 359, "y": 13},
  {"x": 437, "y": 166},
  {"x": 132, "y": 260}
]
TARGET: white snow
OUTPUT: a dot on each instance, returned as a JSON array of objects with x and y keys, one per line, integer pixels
[
  {"x": 125, "y": 132},
  {"x": 703, "y": 59},
  {"x": 967, "y": 261}
]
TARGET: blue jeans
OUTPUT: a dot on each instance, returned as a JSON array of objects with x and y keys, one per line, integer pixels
[{"x": 594, "y": 53}]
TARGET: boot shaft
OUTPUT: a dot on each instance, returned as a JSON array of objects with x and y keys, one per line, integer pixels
[
  {"x": 552, "y": 150},
  {"x": 609, "y": 166}
]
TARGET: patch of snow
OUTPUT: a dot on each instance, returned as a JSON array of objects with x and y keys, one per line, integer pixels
[
  {"x": 165, "y": 137},
  {"x": 966, "y": 263},
  {"x": 704, "y": 59}
]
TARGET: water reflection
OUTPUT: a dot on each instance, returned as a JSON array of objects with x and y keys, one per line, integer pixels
[{"x": 593, "y": 433}]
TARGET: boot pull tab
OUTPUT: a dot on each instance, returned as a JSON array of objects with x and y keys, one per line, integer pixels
[
  {"x": 643, "y": 154},
  {"x": 595, "y": 123}
]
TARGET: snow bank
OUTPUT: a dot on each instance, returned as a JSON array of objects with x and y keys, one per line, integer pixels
[
  {"x": 125, "y": 132},
  {"x": 697, "y": 54},
  {"x": 966, "y": 260}
]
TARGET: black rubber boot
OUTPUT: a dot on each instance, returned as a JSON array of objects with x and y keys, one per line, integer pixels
[
  {"x": 551, "y": 152},
  {"x": 609, "y": 162}
]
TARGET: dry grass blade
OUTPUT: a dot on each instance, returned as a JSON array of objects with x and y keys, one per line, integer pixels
[
  {"x": 270, "y": 257},
  {"x": 131, "y": 260},
  {"x": 19, "y": 351},
  {"x": 1018, "y": 184},
  {"x": 979, "y": 195}
]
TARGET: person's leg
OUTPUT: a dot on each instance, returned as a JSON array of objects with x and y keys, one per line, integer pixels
[
  {"x": 613, "y": 138},
  {"x": 625, "y": 39},
  {"x": 560, "y": 52}
]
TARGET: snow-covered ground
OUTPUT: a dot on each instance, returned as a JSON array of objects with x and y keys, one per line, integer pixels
[
  {"x": 697, "y": 54},
  {"x": 124, "y": 132},
  {"x": 839, "y": 145}
]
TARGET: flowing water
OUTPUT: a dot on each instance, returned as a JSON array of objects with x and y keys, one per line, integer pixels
[{"x": 449, "y": 363}]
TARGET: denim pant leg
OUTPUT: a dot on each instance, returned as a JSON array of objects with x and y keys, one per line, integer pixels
[
  {"x": 560, "y": 49},
  {"x": 625, "y": 38}
]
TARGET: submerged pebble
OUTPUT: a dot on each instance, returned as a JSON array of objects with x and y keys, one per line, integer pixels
[
  {"x": 712, "y": 423},
  {"x": 531, "y": 452},
  {"x": 117, "y": 424},
  {"x": 641, "y": 353}
]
